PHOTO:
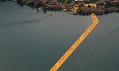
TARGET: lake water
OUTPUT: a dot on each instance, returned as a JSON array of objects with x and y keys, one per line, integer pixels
[{"x": 34, "y": 41}]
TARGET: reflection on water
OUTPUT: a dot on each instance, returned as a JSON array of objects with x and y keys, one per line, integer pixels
[{"x": 34, "y": 41}]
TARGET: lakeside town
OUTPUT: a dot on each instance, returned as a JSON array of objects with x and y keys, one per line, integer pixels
[{"x": 82, "y": 7}]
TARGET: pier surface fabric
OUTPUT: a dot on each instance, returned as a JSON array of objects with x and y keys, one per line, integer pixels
[{"x": 76, "y": 44}]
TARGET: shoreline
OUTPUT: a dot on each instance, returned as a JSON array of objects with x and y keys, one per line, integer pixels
[{"x": 74, "y": 7}]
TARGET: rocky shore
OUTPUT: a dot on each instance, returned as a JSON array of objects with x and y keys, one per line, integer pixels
[{"x": 73, "y": 6}]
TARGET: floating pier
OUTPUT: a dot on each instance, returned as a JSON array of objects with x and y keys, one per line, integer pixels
[{"x": 76, "y": 44}]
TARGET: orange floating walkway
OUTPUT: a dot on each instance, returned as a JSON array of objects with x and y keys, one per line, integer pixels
[{"x": 76, "y": 44}]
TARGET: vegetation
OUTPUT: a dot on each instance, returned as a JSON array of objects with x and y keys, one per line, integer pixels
[{"x": 68, "y": 5}]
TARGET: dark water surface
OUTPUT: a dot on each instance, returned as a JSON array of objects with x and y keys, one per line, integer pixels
[{"x": 34, "y": 41}]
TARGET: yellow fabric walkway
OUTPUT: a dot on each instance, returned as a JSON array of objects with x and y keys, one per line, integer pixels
[{"x": 76, "y": 44}]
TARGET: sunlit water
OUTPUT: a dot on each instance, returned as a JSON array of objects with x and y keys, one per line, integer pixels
[{"x": 34, "y": 41}]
